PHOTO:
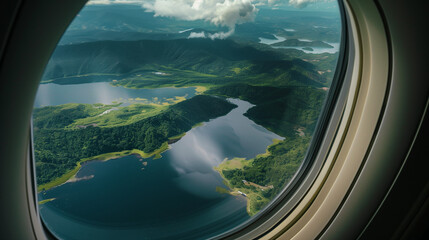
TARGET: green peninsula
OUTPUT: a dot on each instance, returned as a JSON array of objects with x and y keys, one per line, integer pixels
[{"x": 59, "y": 151}]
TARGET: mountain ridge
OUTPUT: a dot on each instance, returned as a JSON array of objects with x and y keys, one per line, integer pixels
[{"x": 220, "y": 58}]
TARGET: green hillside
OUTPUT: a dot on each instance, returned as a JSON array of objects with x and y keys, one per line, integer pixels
[
  {"x": 298, "y": 43},
  {"x": 181, "y": 62},
  {"x": 122, "y": 57},
  {"x": 282, "y": 110},
  {"x": 291, "y": 112}
]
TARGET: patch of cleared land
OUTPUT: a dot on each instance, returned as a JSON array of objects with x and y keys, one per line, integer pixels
[
  {"x": 120, "y": 116},
  {"x": 76, "y": 179},
  {"x": 300, "y": 131}
]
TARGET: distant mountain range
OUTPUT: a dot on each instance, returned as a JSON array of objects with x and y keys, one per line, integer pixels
[
  {"x": 217, "y": 57},
  {"x": 299, "y": 43}
]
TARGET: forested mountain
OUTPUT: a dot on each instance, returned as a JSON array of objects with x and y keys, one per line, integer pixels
[
  {"x": 224, "y": 60},
  {"x": 300, "y": 43},
  {"x": 127, "y": 56},
  {"x": 291, "y": 112},
  {"x": 282, "y": 110}
]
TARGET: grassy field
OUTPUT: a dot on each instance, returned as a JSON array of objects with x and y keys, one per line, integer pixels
[
  {"x": 120, "y": 116},
  {"x": 61, "y": 116},
  {"x": 233, "y": 164},
  {"x": 101, "y": 115},
  {"x": 158, "y": 76},
  {"x": 46, "y": 200}
]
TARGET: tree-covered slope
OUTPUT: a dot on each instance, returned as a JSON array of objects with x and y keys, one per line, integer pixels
[
  {"x": 185, "y": 61},
  {"x": 282, "y": 110},
  {"x": 291, "y": 112},
  {"x": 125, "y": 56},
  {"x": 298, "y": 43}
]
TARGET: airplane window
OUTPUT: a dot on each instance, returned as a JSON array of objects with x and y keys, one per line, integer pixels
[{"x": 179, "y": 119}]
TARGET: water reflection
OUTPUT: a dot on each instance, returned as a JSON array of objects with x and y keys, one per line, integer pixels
[
  {"x": 102, "y": 92},
  {"x": 205, "y": 147},
  {"x": 173, "y": 196}
]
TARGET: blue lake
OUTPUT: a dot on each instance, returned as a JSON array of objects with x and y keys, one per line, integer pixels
[
  {"x": 173, "y": 197},
  {"x": 315, "y": 50},
  {"x": 103, "y": 92}
]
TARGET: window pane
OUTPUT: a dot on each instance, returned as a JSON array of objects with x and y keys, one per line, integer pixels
[{"x": 178, "y": 119}]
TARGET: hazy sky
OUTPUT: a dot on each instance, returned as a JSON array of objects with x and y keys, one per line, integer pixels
[
  {"x": 291, "y": 4},
  {"x": 223, "y": 13}
]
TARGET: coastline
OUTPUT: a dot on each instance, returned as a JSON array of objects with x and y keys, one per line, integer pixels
[
  {"x": 46, "y": 200},
  {"x": 102, "y": 157},
  {"x": 252, "y": 197},
  {"x": 70, "y": 175},
  {"x": 199, "y": 89},
  {"x": 236, "y": 163}
]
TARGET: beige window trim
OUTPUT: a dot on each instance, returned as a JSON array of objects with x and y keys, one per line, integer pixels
[{"x": 355, "y": 132}]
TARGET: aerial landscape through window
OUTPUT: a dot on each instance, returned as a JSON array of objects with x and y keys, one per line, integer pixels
[{"x": 178, "y": 119}]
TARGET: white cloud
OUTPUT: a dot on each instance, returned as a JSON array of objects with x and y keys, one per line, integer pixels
[
  {"x": 225, "y": 13},
  {"x": 212, "y": 36},
  {"x": 197, "y": 35},
  {"x": 106, "y": 2},
  {"x": 221, "y": 35},
  {"x": 267, "y": 2},
  {"x": 304, "y": 3},
  {"x": 295, "y": 3}
]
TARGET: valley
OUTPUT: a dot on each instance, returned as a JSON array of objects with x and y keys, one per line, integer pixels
[{"x": 288, "y": 98}]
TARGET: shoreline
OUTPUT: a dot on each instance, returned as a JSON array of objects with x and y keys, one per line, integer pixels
[
  {"x": 46, "y": 201},
  {"x": 239, "y": 163},
  {"x": 66, "y": 177},
  {"x": 199, "y": 89}
]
